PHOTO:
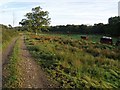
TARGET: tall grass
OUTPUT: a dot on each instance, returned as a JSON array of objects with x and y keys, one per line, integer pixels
[
  {"x": 7, "y": 36},
  {"x": 76, "y": 63}
]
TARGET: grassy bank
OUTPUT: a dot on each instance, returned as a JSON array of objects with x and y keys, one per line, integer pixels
[
  {"x": 77, "y": 63},
  {"x": 7, "y": 36}
]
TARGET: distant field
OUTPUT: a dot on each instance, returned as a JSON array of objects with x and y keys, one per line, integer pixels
[
  {"x": 76, "y": 63},
  {"x": 94, "y": 38}
]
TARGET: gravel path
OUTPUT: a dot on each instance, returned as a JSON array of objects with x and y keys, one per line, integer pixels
[{"x": 32, "y": 74}]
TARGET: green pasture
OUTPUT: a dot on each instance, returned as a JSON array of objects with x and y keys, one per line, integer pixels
[{"x": 93, "y": 38}]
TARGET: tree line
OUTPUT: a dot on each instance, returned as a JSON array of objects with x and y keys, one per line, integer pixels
[{"x": 111, "y": 29}]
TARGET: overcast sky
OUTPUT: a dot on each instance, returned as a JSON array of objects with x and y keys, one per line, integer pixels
[{"x": 61, "y": 12}]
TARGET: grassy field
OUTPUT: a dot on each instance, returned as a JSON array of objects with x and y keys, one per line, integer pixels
[
  {"x": 93, "y": 38},
  {"x": 76, "y": 63}
]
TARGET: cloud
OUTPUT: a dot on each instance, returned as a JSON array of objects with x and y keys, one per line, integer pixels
[
  {"x": 63, "y": 11},
  {"x": 18, "y": 5}
]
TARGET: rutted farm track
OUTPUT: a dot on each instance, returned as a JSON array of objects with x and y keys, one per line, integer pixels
[
  {"x": 8, "y": 51},
  {"x": 70, "y": 62},
  {"x": 30, "y": 73}
]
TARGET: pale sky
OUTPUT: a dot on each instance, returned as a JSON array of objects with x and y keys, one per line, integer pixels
[{"x": 61, "y": 12}]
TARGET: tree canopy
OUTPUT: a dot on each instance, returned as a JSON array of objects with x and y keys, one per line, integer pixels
[{"x": 36, "y": 20}]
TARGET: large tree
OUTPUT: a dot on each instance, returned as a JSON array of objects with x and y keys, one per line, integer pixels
[
  {"x": 36, "y": 20},
  {"x": 114, "y": 26}
]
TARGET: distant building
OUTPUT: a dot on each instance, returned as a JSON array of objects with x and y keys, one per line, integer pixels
[{"x": 119, "y": 8}]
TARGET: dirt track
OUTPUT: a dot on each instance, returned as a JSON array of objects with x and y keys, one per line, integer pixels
[
  {"x": 5, "y": 58},
  {"x": 8, "y": 51},
  {"x": 32, "y": 76}
]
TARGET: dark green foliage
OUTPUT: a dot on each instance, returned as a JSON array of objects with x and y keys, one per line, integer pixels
[{"x": 110, "y": 29}]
